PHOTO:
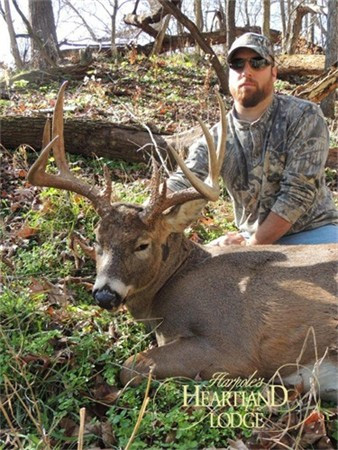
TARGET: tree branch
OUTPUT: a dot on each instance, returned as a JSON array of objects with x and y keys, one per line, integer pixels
[{"x": 184, "y": 20}]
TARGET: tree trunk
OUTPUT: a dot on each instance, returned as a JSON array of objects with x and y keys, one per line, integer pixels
[
  {"x": 328, "y": 104},
  {"x": 288, "y": 25},
  {"x": 43, "y": 24},
  {"x": 198, "y": 19},
  {"x": 266, "y": 18},
  {"x": 312, "y": 29},
  {"x": 230, "y": 30},
  {"x": 161, "y": 34},
  {"x": 14, "y": 44},
  {"x": 296, "y": 27},
  {"x": 283, "y": 20},
  {"x": 113, "y": 29},
  {"x": 230, "y": 21},
  {"x": 247, "y": 15}
]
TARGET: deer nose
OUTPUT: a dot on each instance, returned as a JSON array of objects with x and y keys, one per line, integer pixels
[{"x": 106, "y": 298}]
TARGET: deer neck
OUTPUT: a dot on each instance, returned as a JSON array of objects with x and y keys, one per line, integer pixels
[{"x": 177, "y": 253}]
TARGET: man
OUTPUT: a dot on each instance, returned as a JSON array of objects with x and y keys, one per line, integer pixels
[{"x": 275, "y": 157}]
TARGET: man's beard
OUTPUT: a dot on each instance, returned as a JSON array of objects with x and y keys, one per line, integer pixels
[{"x": 251, "y": 98}]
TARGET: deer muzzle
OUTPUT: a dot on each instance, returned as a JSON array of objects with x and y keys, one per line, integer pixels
[{"x": 106, "y": 298}]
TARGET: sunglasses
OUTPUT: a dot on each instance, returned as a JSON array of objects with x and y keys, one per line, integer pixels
[{"x": 255, "y": 63}]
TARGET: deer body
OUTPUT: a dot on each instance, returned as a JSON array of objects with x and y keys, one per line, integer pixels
[{"x": 236, "y": 310}]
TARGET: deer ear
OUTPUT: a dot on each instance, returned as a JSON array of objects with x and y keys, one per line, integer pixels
[{"x": 181, "y": 216}]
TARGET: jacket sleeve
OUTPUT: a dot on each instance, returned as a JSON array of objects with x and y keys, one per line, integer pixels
[{"x": 307, "y": 150}]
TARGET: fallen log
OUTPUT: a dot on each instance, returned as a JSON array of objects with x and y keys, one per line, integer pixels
[
  {"x": 300, "y": 65},
  {"x": 85, "y": 137},
  {"x": 105, "y": 139},
  {"x": 319, "y": 87}
]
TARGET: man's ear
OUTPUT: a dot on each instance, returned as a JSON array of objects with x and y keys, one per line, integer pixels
[
  {"x": 181, "y": 216},
  {"x": 274, "y": 73}
]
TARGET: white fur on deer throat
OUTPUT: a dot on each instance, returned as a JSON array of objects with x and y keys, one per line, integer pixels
[{"x": 103, "y": 278}]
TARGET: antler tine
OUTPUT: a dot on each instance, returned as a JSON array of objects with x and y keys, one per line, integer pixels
[
  {"x": 201, "y": 190},
  {"x": 46, "y": 133},
  {"x": 221, "y": 145},
  {"x": 154, "y": 182},
  {"x": 57, "y": 130},
  {"x": 38, "y": 176},
  {"x": 216, "y": 158}
]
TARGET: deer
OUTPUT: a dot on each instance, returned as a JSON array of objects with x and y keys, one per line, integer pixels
[{"x": 237, "y": 310}]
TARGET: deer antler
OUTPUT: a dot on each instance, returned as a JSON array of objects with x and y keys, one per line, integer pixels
[
  {"x": 38, "y": 176},
  {"x": 209, "y": 189}
]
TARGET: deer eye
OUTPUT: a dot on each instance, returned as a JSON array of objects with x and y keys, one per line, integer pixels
[{"x": 141, "y": 247}]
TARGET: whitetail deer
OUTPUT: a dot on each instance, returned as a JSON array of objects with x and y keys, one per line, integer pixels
[{"x": 235, "y": 309}]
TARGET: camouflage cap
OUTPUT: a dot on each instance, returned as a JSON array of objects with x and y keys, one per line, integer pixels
[{"x": 257, "y": 42}]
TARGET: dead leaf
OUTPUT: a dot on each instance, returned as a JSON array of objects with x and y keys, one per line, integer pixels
[
  {"x": 38, "y": 287},
  {"x": 8, "y": 262},
  {"x": 314, "y": 428},
  {"x": 325, "y": 443},
  {"x": 195, "y": 237},
  {"x": 71, "y": 429},
  {"x": 44, "y": 361},
  {"x": 21, "y": 173},
  {"x": 170, "y": 437},
  {"x": 15, "y": 206},
  {"x": 26, "y": 232},
  {"x": 47, "y": 206},
  {"x": 104, "y": 392},
  {"x": 107, "y": 434},
  {"x": 206, "y": 220}
]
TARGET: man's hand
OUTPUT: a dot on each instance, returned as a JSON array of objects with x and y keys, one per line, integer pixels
[{"x": 231, "y": 238}]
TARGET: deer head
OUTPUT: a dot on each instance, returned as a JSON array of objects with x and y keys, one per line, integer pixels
[{"x": 132, "y": 240}]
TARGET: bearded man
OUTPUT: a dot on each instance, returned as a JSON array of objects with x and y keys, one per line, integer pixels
[{"x": 277, "y": 146}]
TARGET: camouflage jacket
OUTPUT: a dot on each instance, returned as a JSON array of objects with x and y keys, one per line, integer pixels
[{"x": 273, "y": 164}]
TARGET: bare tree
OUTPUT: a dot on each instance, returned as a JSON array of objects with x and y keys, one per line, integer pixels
[
  {"x": 298, "y": 13},
  {"x": 161, "y": 27},
  {"x": 113, "y": 27},
  {"x": 283, "y": 20},
  {"x": 328, "y": 104},
  {"x": 230, "y": 8},
  {"x": 247, "y": 16},
  {"x": 198, "y": 19},
  {"x": 198, "y": 14},
  {"x": 214, "y": 61},
  {"x": 266, "y": 18},
  {"x": 6, "y": 14},
  {"x": 111, "y": 9},
  {"x": 43, "y": 24}
]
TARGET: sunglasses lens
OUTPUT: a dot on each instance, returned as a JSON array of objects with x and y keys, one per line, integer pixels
[
  {"x": 258, "y": 63},
  {"x": 237, "y": 63}
]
